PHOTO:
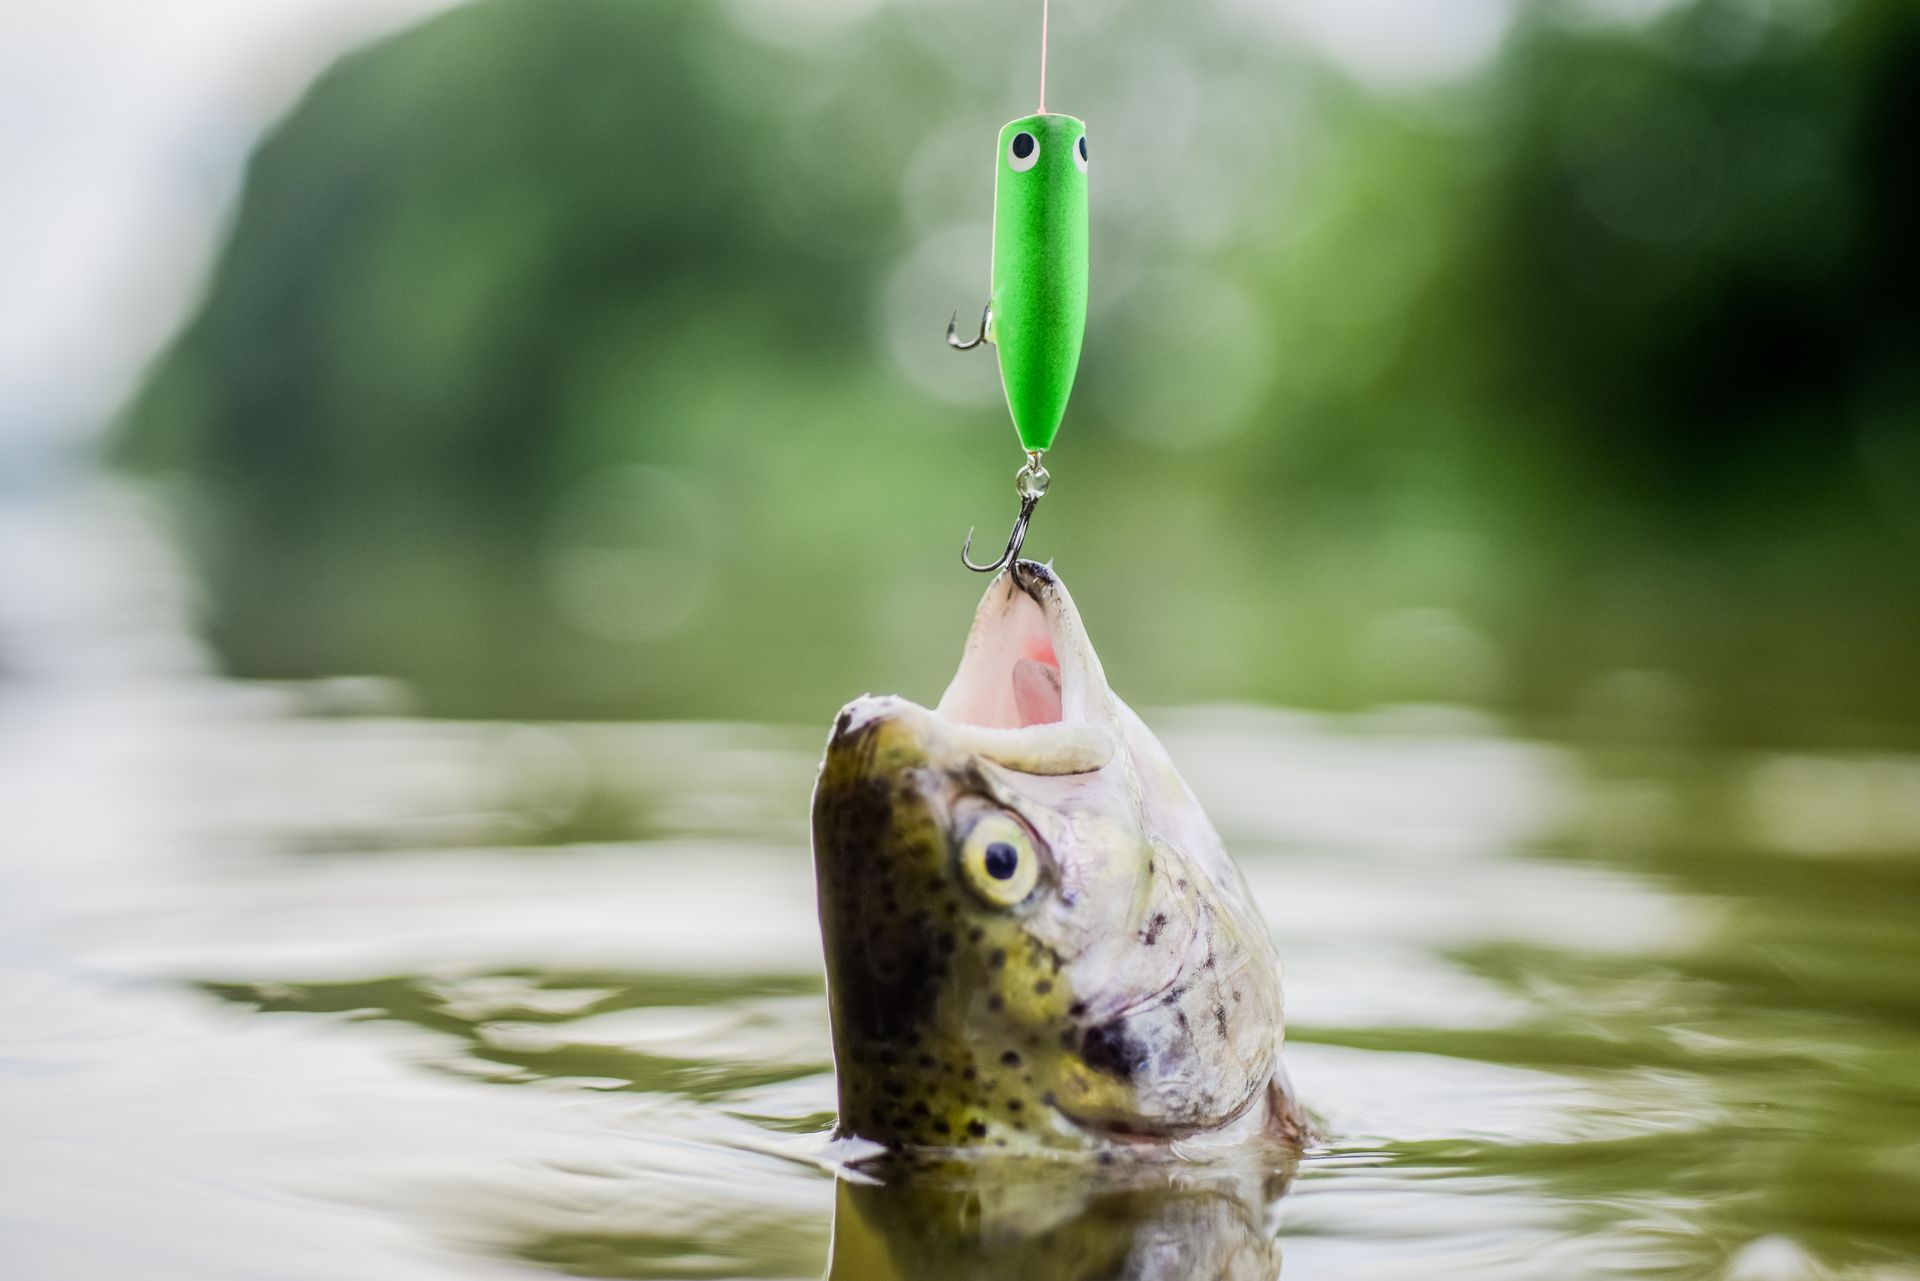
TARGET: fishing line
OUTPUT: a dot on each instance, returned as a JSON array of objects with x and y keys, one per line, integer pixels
[{"x": 1043, "y": 57}]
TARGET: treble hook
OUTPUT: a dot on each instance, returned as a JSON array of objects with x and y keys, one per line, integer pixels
[
  {"x": 1030, "y": 482},
  {"x": 953, "y": 331}
]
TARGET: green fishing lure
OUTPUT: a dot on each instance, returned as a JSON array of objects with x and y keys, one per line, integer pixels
[{"x": 1036, "y": 312}]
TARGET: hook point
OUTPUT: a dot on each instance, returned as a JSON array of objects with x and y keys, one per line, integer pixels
[
  {"x": 1028, "y": 501},
  {"x": 953, "y": 330}
]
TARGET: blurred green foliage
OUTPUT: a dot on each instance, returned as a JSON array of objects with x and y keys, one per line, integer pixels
[{"x": 585, "y": 358}]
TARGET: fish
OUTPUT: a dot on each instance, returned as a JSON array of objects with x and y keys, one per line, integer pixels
[{"x": 1034, "y": 939}]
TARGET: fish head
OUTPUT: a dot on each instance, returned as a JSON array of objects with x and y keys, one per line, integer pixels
[{"x": 1033, "y": 937}]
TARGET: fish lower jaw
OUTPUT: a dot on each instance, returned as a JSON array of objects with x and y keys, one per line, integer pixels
[
  {"x": 1261, "y": 1128},
  {"x": 1255, "y": 1120},
  {"x": 978, "y": 1129}
]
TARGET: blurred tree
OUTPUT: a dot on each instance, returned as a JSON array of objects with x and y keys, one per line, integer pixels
[{"x": 553, "y": 364}]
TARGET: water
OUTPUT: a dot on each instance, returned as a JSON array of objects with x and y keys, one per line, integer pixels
[{"x": 294, "y": 985}]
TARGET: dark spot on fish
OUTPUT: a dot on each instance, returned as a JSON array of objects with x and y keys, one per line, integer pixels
[
  {"x": 1048, "y": 1098},
  {"x": 1220, "y": 1019},
  {"x": 997, "y": 958},
  {"x": 1109, "y": 1048},
  {"x": 975, "y": 934},
  {"x": 978, "y": 1129},
  {"x": 1174, "y": 994},
  {"x": 1077, "y": 1008},
  {"x": 1236, "y": 996},
  {"x": 1181, "y": 1015},
  {"x": 940, "y": 1126},
  {"x": 1011, "y": 1058},
  {"x": 1154, "y": 926},
  {"x": 1182, "y": 883},
  {"x": 890, "y": 977},
  {"x": 994, "y": 1002},
  {"x": 970, "y": 1074},
  {"x": 1014, "y": 1105},
  {"x": 920, "y": 1109},
  {"x": 1105, "y": 1158},
  {"x": 894, "y": 1089},
  {"x": 925, "y": 1061},
  {"x": 1043, "y": 987},
  {"x": 1069, "y": 1039}
]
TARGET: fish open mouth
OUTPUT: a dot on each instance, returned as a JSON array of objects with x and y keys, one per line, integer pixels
[
  {"x": 1029, "y": 693},
  {"x": 1010, "y": 675}
]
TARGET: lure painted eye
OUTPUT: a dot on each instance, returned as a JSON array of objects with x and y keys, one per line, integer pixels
[
  {"x": 999, "y": 860},
  {"x": 1080, "y": 153},
  {"x": 1023, "y": 152}
]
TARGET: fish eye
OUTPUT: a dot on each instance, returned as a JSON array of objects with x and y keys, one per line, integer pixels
[
  {"x": 999, "y": 860},
  {"x": 1023, "y": 152},
  {"x": 1080, "y": 153}
]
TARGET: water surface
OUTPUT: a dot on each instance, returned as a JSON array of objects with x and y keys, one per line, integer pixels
[{"x": 295, "y": 986}]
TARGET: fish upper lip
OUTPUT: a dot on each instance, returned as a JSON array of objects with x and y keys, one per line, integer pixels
[{"x": 1053, "y": 748}]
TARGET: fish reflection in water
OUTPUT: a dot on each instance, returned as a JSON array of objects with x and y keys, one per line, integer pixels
[{"x": 1028, "y": 1220}]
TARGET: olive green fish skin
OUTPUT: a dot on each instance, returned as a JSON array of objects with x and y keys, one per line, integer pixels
[
  {"x": 1040, "y": 262},
  {"x": 1133, "y": 996}
]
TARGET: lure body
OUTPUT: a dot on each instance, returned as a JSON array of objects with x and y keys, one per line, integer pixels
[{"x": 1037, "y": 311}]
